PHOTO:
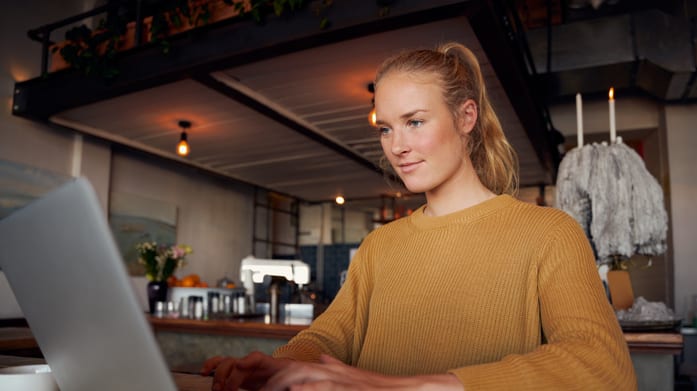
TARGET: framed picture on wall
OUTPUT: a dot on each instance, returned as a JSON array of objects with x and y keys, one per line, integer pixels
[
  {"x": 20, "y": 184},
  {"x": 135, "y": 219}
]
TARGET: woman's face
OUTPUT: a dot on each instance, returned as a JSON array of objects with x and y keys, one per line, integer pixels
[{"x": 419, "y": 135}]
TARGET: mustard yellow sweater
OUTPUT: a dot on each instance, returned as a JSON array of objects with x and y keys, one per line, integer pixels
[{"x": 504, "y": 295}]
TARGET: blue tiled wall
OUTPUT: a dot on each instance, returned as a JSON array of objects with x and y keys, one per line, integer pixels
[{"x": 336, "y": 259}]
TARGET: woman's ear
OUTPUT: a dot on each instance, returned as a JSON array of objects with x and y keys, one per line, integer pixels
[{"x": 468, "y": 116}]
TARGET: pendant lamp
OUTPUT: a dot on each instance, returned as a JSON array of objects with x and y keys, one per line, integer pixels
[{"x": 183, "y": 146}]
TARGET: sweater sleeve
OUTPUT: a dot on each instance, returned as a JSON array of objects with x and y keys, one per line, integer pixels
[
  {"x": 339, "y": 330},
  {"x": 585, "y": 346}
]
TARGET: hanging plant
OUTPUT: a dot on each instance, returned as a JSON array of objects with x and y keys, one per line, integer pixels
[
  {"x": 91, "y": 52},
  {"x": 94, "y": 52}
]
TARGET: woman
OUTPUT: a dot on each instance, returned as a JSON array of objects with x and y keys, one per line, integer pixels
[{"x": 475, "y": 289}]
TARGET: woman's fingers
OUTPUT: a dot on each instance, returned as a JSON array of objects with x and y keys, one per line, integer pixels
[
  {"x": 294, "y": 374},
  {"x": 210, "y": 365},
  {"x": 225, "y": 368},
  {"x": 253, "y": 360},
  {"x": 327, "y": 359}
]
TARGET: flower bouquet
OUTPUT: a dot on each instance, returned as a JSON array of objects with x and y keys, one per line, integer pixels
[{"x": 160, "y": 262}]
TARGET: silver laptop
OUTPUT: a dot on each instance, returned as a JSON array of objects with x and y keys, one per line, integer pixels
[{"x": 70, "y": 281}]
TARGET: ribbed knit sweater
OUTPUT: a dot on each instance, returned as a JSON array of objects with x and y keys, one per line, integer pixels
[{"x": 504, "y": 295}]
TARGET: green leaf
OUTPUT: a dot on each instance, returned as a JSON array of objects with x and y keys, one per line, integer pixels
[
  {"x": 324, "y": 23},
  {"x": 278, "y": 6},
  {"x": 295, "y": 4},
  {"x": 256, "y": 15}
]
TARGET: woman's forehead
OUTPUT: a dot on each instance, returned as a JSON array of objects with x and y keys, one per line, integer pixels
[
  {"x": 420, "y": 76},
  {"x": 407, "y": 81}
]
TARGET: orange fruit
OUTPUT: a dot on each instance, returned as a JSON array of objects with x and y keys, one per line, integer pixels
[
  {"x": 172, "y": 281},
  {"x": 188, "y": 281}
]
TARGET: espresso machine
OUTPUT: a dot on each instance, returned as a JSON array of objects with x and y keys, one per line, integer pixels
[{"x": 273, "y": 273}]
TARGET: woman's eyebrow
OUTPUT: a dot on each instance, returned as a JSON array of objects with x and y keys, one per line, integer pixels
[{"x": 404, "y": 116}]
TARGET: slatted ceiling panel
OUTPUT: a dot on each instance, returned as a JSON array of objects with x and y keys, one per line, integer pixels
[
  {"x": 325, "y": 90},
  {"x": 357, "y": 135},
  {"x": 347, "y": 118},
  {"x": 340, "y": 73},
  {"x": 291, "y": 163}
]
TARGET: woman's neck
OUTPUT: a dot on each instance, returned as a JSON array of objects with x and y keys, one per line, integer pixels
[{"x": 463, "y": 193}]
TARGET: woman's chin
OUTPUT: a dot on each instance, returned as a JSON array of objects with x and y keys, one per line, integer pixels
[{"x": 416, "y": 188}]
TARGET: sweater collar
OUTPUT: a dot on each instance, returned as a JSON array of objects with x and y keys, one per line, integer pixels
[{"x": 422, "y": 221}]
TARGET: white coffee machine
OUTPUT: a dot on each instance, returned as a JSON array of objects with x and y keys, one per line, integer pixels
[
  {"x": 292, "y": 270},
  {"x": 255, "y": 270}
]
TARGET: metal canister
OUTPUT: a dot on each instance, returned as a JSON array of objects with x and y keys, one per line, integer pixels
[
  {"x": 235, "y": 303},
  {"x": 198, "y": 307},
  {"x": 241, "y": 303},
  {"x": 227, "y": 304},
  {"x": 213, "y": 304},
  {"x": 160, "y": 309},
  {"x": 184, "y": 307},
  {"x": 195, "y": 307}
]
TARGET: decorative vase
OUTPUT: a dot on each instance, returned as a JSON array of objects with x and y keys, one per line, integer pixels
[{"x": 157, "y": 291}]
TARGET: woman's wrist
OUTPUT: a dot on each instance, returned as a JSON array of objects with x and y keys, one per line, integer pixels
[{"x": 431, "y": 382}]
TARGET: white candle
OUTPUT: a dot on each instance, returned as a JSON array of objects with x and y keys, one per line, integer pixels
[
  {"x": 579, "y": 121},
  {"x": 611, "y": 102}
]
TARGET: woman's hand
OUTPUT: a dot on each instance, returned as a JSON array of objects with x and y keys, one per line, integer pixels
[
  {"x": 332, "y": 374},
  {"x": 250, "y": 372}
]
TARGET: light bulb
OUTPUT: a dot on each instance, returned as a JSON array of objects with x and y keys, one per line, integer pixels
[
  {"x": 183, "y": 146},
  {"x": 372, "y": 117}
]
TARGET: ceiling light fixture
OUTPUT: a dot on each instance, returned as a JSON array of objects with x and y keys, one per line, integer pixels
[
  {"x": 340, "y": 200},
  {"x": 183, "y": 146},
  {"x": 372, "y": 116}
]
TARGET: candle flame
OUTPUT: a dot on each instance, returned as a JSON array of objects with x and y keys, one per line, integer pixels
[{"x": 611, "y": 94}]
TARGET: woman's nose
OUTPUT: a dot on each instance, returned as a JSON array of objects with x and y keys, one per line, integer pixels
[{"x": 399, "y": 144}]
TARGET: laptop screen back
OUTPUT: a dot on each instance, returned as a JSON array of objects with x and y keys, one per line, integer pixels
[{"x": 70, "y": 281}]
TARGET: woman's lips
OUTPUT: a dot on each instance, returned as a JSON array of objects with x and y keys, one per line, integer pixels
[{"x": 406, "y": 168}]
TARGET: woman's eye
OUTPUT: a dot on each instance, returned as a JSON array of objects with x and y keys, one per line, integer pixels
[
  {"x": 384, "y": 130},
  {"x": 415, "y": 123}
]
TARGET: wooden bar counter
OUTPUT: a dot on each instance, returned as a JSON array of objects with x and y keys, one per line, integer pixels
[
  {"x": 186, "y": 343},
  {"x": 654, "y": 356},
  {"x": 17, "y": 338},
  {"x": 658, "y": 343}
]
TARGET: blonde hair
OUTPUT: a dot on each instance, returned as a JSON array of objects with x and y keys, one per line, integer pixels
[{"x": 459, "y": 75}]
